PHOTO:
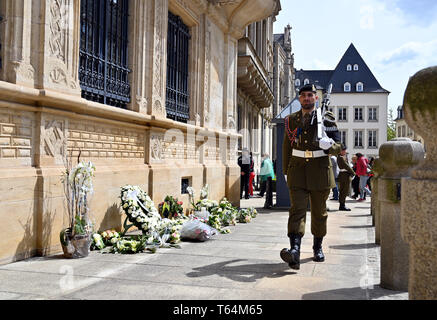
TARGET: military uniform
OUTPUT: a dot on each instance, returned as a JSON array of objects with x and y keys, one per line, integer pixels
[
  {"x": 309, "y": 177},
  {"x": 344, "y": 180}
]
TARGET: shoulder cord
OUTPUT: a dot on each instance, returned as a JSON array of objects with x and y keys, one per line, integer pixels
[{"x": 291, "y": 135}]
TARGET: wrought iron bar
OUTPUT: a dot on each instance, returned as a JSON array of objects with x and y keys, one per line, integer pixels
[
  {"x": 103, "y": 73},
  {"x": 177, "y": 69}
]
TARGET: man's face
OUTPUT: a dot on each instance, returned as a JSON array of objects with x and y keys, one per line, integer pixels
[
  {"x": 308, "y": 100},
  {"x": 343, "y": 152}
]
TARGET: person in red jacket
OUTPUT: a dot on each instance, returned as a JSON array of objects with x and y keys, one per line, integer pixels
[{"x": 362, "y": 172}]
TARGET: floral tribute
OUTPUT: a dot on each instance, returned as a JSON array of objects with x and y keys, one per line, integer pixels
[{"x": 170, "y": 208}]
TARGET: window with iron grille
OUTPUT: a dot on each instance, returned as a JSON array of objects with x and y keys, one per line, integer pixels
[
  {"x": 178, "y": 39},
  {"x": 103, "y": 55}
]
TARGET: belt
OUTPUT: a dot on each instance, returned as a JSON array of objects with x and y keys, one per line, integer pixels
[
  {"x": 309, "y": 154},
  {"x": 343, "y": 170}
]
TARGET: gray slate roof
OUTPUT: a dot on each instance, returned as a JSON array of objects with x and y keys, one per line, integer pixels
[{"x": 339, "y": 76}]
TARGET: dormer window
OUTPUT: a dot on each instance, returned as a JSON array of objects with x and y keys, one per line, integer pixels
[
  {"x": 305, "y": 82},
  {"x": 355, "y": 67},
  {"x": 360, "y": 87},
  {"x": 297, "y": 83},
  {"x": 347, "y": 87},
  {"x": 349, "y": 67}
]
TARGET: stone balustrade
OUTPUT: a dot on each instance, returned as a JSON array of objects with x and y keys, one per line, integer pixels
[
  {"x": 418, "y": 205},
  {"x": 397, "y": 156}
]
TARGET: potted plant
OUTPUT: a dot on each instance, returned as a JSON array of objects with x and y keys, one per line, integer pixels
[{"x": 77, "y": 237}]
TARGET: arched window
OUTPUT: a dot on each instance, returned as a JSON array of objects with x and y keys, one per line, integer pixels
[
  {"x": 306, "y": 81},
  {"x": 297, "y": 83},
  {"x": 347, "y": 87},
  {"x": 355, "y": 67},
  {"x": 349, "y": 67},
  {"x": 360, "y": 87}
]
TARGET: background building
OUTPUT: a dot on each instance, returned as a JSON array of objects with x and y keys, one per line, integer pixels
[
  {"x": 402, "y": 128},
  {"x": 255, "y": 85},
  {"x": 358, "y": 101},
  {"x": 146, "y": 90}
]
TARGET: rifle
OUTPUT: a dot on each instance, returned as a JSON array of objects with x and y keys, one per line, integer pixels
[{"x": 321, "y": 113}]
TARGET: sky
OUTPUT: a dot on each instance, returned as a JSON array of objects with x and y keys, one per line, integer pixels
[{"x": 396, "y": 38}]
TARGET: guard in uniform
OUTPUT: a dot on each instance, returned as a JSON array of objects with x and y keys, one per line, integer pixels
[
  {"x": 309, "y": 175},
  {"x": 344, "y": 178}
]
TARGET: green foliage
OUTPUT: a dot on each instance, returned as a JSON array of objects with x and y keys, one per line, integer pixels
[
  {"x": 170, "y": 208},
  {"x": 391, "y": 126}
]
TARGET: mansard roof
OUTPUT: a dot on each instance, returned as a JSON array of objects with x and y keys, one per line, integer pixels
[{"x": 341, "y": 75}]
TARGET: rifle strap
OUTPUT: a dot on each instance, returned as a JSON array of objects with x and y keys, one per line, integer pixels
[{"x": 291, "y": 135}]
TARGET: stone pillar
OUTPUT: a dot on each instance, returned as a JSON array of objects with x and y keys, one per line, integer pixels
[
  {"x": 418, "y": 214},
  {"x": 56, "y": 43},
  {"x": 16, "y": 36},
  {"x": 397, "y": 157},
  {"x": 375, "y": 204}
]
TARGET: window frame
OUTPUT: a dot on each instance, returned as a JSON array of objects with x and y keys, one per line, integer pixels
[
  {"x": 355, "y": 113},
  {"x": 356, "y": 68},
  {"x": 349, "y": 67},
  {"x": 342, "y": 110},
  {"x": 356, "y": 146},
  {"x": 347, "y": 85},
  {"x": 358, "y": 85},
  {"x": 370, "y": 108},
  {"x": 370, "y": 133}
]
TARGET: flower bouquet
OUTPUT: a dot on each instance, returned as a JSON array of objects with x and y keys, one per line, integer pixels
[
  {"x": 170, "y": 208},
  {"x": 78, "y": 188}
]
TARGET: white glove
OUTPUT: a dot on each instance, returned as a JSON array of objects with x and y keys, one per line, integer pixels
[{"x": 325, "y": 143}]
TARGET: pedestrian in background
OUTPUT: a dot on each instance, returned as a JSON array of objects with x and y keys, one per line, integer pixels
[
  {"x": 267, "y": 175},
  {"x": 362, "y": 172},
  {"x": 344, "y": 178},
  {"x": 355, "y": 180},
  {"x": 244, "y": 163},
  {"x": 251, "y": 175}
]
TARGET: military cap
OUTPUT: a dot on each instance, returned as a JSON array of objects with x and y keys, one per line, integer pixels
[
  {"x": 343, "y": 147},
  {"x": 329, "y": 116},
  {"x": 308, "y": 87}
]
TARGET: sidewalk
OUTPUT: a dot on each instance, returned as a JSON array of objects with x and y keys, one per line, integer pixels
[{"x": 243, "y": 265}]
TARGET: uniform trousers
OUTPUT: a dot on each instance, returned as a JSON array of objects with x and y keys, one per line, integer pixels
[{"x": 297, "y": 214}]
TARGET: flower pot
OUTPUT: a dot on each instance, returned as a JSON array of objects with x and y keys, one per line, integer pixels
[{"x": 77, "y": 246}]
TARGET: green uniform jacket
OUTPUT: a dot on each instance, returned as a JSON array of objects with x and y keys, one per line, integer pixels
[
  {"x": 343, "y": 165},
  {"x": 312, "y": 173}
]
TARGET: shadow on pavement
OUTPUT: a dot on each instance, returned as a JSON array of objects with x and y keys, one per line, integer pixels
[
  {"x": 356, "y": 294},
  {"x": 358, "y": 215},
  {"x": 355, "y": 246},
  {"x": 244, "y": 272},
  {"x": 356, "y": 227}
]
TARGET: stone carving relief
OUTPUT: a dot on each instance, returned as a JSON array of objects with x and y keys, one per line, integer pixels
[
  {"x": 156, "y": 148},
  {"x": 231, "y": 122},
  {"x": 207, "y": 68},
  {"x": 158, "y": 52},
  {"x": 58, "y": 23},
  {"x": 54, "y": 138},
  {"x": 23, "y": 70},
  {"x": 58, "y": 76}
]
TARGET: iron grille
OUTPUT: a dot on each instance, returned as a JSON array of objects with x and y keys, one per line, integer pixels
[
  {"x": 103, "y": 60},
  {"x": 177, "y": 69}
]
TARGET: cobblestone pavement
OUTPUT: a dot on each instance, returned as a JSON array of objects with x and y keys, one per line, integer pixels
[{"x": 243, "y": 265}]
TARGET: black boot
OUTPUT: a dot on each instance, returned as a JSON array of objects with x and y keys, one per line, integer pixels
[
  {"x": 343, "y": 207},
  {"x": 317, "y": 249},
  {"x": 292, "y": 255}
]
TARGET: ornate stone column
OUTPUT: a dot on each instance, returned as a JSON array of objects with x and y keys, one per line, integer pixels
[
  {"x": 17, "y": 48},
  {"x": 56, "y": 45},
  {"x": 418, "y": 212}
]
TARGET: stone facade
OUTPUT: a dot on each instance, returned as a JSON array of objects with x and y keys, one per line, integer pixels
[
  {"x": 402, "y": 128},
  {"x": 255, "y": 95},
  {"x": 43, "y": 118}
]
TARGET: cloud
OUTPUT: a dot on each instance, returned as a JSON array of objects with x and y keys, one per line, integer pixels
[
  {"x": 367, "y": 17},
  {"x": 418, "y": 12},
  {"x": 411, "y": 52}
]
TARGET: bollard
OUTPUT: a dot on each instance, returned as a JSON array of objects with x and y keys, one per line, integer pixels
[
  {"x": 419, "y": 210},
  {"x": 375, "y": 204},
  {"x": 397, "y": 156}
]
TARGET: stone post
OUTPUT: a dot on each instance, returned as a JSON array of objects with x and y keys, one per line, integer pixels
[
  {"x": 419, "y": 213},
  {"x": 398, "y": 156},
  {"x": 375, "y": 204}
]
